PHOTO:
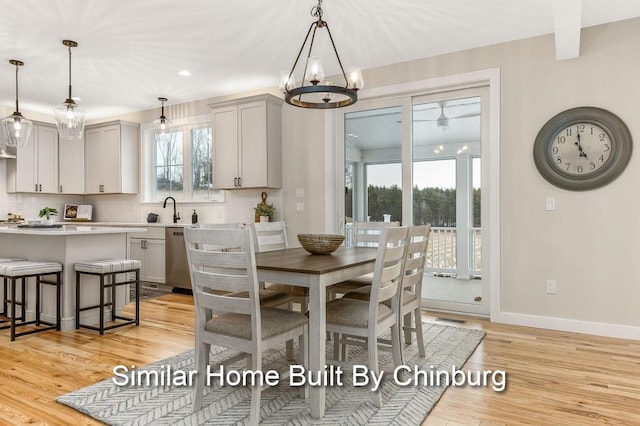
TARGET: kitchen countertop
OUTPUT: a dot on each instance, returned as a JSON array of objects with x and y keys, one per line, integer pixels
[
  {"x": 138, "y": 224},
  {"x": 71, "y": 230}
]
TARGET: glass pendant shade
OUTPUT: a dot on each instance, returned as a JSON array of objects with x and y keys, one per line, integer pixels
[
  {"x": 287, "y": 81},
  {"x": 70, "y": 120},
  {"x": 70, "y": 117},
  {"x": 315, "y": 71},
  {"x": 161, "y": 123},
  {"x": 354, "y": 75},
  {"x": 16, "y": 128},
  {"x": 326, "y": 96}
]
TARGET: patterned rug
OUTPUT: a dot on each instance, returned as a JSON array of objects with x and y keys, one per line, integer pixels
[{"x": 404, "y": 401}]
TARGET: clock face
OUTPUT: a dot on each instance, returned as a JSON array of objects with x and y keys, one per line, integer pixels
[{"x": 582, "y": 148}]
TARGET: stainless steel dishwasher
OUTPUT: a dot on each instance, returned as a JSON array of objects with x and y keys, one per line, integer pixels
[{"x": 176, "y": 265}]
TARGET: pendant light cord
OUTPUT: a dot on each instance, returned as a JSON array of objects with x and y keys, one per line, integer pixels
[
  {"x": 17, "y": 108},
  {"x": 69, "y": 72}
]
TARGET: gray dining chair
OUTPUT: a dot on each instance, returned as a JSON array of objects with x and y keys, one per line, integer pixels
[
  {"x": 365, "y": 234},
  {"x": 410, "y": 315},
  {"x": 370, "y": 318},
  {"x": 270, "y": 236},
  {"x": 234, "y": 322}
]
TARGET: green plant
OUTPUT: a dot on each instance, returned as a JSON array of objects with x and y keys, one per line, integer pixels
[
  {"x": 264, "y": 209},
  {"x": 48, "y": 211}
]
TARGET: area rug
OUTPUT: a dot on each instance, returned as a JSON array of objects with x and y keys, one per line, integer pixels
[{"x": 405, "y": 401}]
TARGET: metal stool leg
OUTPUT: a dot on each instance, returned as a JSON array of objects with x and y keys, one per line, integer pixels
[
  {"x": 58, "y": 301},
  {"x": 137, "y": 296},
  {"x": 38, "y": 287},
  {"x": 101, "y": 305},
  {"x": 113, "y": 296},
  {"x": 77, "y": 300},
  {"x": 13, "y": 308}
]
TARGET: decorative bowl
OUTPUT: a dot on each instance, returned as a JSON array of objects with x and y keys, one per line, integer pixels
[{"x": 320, "y": 243}]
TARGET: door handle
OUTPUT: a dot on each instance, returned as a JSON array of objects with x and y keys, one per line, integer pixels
[
  {"x": 239, "y": 181},
  {"x": 235, "y": 181}
]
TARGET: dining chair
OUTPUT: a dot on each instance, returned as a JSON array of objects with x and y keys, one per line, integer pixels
[
  {"x": 369, "y": 319},
  {"x": 365, "y": 234},
  {"x": 271, "y": 236},
  {"x": 411, "y": 294},
  {"x": 268, "y": 298},
  {"x": 236, "y": 323}
]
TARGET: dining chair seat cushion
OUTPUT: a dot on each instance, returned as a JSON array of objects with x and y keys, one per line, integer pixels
[
  {"x": 289, "y": 289},
  {"x": 23, "y": 268},
  {"x": 106, "y": 266},
  {"x": 353, "y": 313},
  {"x": 274, "y": 322},
  {"x": 352, "y": 284},
  {"x": 268, "y": 298},
  {"x": 9, "y": 259}
]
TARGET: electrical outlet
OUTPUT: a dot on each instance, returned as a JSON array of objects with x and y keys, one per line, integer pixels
[{"x": 551, "y": 287}]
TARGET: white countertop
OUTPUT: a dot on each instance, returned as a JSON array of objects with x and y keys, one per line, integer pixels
[
  {"x": 138, "y": 224},
  {"x": 71, "y": 230}
]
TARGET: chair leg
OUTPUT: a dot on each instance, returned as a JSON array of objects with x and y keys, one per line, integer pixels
[
  {"x": 13, "y": 309},
  {"x": 38, "y": 287},
  {"x": 201, "y": 362},
  {"x": 303, "y": 358},
  {"x": 395, "y": 345},
  {"x": 407, "y": 328},
  {"x": 113, "y": 296},
  {"x": 77, "y": 300},
  {"x": 372, "y": 350},
  {"x": 256, "y": 365},
  {"x": 417, "y": 315},
  {"x": 102, "y": 305},
  {"x": 58, "y": 301},
  {"x": 336, "y": 346},
  {"x": 137, "y": 297}
]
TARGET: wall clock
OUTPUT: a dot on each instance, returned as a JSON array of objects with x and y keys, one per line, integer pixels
[{"x": 582, "y": 148}]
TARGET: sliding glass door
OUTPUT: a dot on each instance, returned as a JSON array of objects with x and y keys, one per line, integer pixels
[{"x": 417, "y": 160}]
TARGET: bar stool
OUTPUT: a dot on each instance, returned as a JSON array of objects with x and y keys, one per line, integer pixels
[
  {"x": 12, "y": 270},
  {"x": 103, "y": 268},
  {"x": 4, "y": 315}
]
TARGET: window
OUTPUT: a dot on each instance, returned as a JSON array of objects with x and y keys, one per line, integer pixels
[{"x": 179, "y": 163}]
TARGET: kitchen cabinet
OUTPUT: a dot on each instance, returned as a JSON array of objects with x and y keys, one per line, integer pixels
[
  {"x": 247, "y": 143},
  {"x": 35, "y": 168},
  {"x": 111, "y": 158},
  {"x": 149, "y": 250},
  {"x": 71, "y": 166}
]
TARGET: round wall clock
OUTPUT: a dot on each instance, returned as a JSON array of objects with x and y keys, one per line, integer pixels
[{"x": 582, "y": 148}]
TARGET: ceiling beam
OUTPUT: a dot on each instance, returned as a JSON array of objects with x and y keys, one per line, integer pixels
[{"x": 567, "y": 20}]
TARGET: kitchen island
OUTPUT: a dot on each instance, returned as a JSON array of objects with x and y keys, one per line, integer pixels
[{"x": 67, "y": 245}]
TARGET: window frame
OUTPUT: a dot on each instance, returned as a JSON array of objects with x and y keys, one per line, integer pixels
[{"x": 148, "y": 157}]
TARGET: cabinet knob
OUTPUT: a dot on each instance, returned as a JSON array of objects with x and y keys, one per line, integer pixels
[
  {"x": 239, "y": 181},
  {"x": 60, "y": 188}
]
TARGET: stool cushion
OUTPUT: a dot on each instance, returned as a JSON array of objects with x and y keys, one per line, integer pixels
[
  {"x": 23, "y": 268},
  {"x": 9, "y": 259},
  {"x": 106, "y": 266}
]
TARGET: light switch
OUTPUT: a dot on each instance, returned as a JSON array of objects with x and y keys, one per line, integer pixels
[
  {"x": 550, "y": 203},
  {"x": 299, "y": 192}
]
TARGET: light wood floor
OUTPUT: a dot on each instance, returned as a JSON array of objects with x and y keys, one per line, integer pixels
[{"x": 554, "y": 378}]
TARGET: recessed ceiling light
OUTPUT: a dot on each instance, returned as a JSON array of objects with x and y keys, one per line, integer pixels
[{"x": 184, "y": 73}]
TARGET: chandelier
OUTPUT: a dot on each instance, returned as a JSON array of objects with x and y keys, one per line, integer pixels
[
  {"x": 320, "y": 93},
  {"x": 69, "y": 116},
  {"x": 16, "y": 127}
]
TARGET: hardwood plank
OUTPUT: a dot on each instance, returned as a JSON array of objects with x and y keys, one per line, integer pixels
[{"x": 553, "y": 377}]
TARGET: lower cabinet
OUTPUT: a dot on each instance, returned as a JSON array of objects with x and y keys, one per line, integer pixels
[{"x": 149, "y": 251}]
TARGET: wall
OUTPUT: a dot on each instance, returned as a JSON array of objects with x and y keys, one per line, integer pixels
[{"x": 589, "y": 244}]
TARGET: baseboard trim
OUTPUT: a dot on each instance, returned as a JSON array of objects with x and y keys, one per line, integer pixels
[{"x": 570, "y": 325}]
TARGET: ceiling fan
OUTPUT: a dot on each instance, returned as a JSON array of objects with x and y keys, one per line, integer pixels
[{"x": 443, "y": 119}]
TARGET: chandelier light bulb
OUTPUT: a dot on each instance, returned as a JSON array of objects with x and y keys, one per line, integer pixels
[
  {"x": 354, "y": 75},
  {"x": 315, "y": 71},
  {"x": 287, "y": 81}
]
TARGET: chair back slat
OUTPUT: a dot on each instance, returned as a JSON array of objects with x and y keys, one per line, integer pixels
[
  {"x": 216, "y": 279},
  {"x": 388, "y": 269},
  {"x": 367, "y": 234},
  {"x": 418, "y": 240},
  {"x": 221, "y": 303},
  {"x": 270, "y": 236}
]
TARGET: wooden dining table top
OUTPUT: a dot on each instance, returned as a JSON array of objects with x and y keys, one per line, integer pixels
[{"x": 299, "y": 260}]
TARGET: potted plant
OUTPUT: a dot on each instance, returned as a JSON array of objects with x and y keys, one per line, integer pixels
[
  {"x": 47, "y": 212},
  {"x": 264, "y": 212}
]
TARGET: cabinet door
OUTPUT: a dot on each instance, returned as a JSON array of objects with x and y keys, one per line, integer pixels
[
  {"x": 225, "y": 147},
  {"x": 71, "y": 166},
  {"x": 102, "y": 149},
  {"x": 47, "y": 149},
  {"x": 26, "y": 173},
  {"x": 253, "y": 144},
  {"x": 154, "y": 259}
]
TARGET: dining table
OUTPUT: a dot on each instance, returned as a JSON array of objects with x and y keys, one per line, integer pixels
[{"x": 297, "y": 267}]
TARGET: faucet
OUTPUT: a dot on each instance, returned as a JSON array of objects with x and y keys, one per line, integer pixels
[{"x": 176, "y": 215}]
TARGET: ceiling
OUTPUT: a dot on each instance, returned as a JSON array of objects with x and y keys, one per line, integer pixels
[{"x": 129, "y": 52}]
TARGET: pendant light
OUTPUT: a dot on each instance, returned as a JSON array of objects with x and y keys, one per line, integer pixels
[
  {"x": 16, "y": 127},
  {"x": 161, "y": 123},
  {"x": 319, "y": 95},
  {"x": 69, "y": 116}
]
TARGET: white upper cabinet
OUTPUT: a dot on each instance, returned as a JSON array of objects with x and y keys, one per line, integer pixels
[
  {"x": 247, "y": 143},
  {"x": 35, "y": 168},
  {"x": 71, "y": 166},
  {"x": 111, "y": 158}
]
